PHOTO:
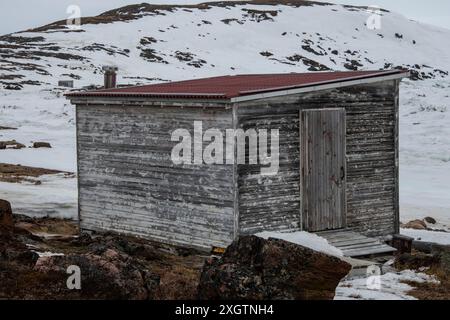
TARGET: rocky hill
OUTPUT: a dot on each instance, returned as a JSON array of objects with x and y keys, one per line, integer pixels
[
  {"x": 167, "y": 42},
  {"x": 154, "y": 43}
]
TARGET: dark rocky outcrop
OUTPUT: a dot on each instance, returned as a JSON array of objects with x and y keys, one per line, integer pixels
[
  {"x": 111, "y": 275},
  {"x": 13, "y": 252},
  {"x": 416, "y": 260},
  {"x": 430, "y": 220},
  {"x": 111, "y": 266},
  {"x": 13, "y": 144},
  {"x": 18, "y": 173},
  {"x": 6, "y": 218},
  {"x": 433, "y": 259},
  {"x": 41, "y": 145},
  {"x": 35, "y": 254},
  {"x": 255, "y": 268}
]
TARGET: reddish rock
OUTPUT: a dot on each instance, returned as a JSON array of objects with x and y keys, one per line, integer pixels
[
  {"x": 6, "y": 217},
  {"x": 415, "y": 224},
  {"x": 255, "y": 268},
  {"x": 111, "y": 275}
]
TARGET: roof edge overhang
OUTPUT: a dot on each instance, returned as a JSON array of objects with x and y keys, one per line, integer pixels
[
  {"x": 149, "y": 101},
  {"x": 326, "y": 85},
  {"x": 221, "y": 99}
]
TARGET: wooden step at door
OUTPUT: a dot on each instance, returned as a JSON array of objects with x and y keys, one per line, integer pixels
[{"x": 354, "y": 244}]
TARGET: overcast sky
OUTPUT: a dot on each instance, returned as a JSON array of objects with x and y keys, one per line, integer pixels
[{"x": 16, "y": 15}]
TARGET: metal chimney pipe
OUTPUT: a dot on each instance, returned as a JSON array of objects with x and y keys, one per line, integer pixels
[{"x": 110, "y": 76}]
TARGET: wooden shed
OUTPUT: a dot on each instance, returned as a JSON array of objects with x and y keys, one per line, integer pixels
[{"x": 338, "y": 157}]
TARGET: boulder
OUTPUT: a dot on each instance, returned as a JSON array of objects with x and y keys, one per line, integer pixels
[
  {"x": 6, "y": 217},
  {"x": 41, "y": 145},
  {"x": 13, "y": 144},
  {"x": 110, "y": 275},
  {"x": 255, "y": 268},
  {"x": 415, "y": 224},
  {"x": 112, "y": 266},
  {"x": 12, "y": 244},
  {"x": 430, "y": 220}
]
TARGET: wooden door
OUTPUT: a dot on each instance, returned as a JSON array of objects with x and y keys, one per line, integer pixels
[{"x": 323, "y": 169}]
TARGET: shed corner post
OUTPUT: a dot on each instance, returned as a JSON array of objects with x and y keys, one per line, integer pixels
[
  {"x": 396, "y": 146},
  {"x": 78, "y": 164},
  {"x": 234, "y": 107},
  {"x": 301, "y": 167}
]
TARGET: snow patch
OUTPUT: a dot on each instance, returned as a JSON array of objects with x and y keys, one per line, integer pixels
[
  {"x": 55, "y": 197},
  {"x": 391, "y": 286},
  {"x": 305, "y": 239},
  {"x": 428, "y": 236},
  {"x": 48, "y": 254}
]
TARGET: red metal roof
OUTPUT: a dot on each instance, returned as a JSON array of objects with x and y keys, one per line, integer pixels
[{"x": 226, "y": 87}]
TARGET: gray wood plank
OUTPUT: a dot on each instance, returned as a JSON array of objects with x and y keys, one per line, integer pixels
[
  {"x": 371, "y": 115},
  {"x": 355, "y": 244},
  {"x": 366, "y": 252},
  {"x": 129, "y": 184},
  {"x": 343, "y": 243},
  {"x": 323, "y": 167}
]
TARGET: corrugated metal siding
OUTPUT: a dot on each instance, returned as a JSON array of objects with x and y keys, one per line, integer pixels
[
  {"x": 129, "y": 184},
  {"x": 273, "y": 203}
]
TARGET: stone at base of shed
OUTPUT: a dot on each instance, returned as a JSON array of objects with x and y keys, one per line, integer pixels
[{"x": 402, "y": 243}]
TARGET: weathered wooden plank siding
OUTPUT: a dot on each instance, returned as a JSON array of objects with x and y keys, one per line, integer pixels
[
  {"x": 323, "y": 167},
  {"x": 128, "y": 182},
  {"x": 273, "y": 203}
]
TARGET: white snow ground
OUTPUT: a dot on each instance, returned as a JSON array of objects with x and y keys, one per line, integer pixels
[
  {"x": 388, "y": 286},
  {"x": 41, "y": 114},
  {"x": 55, "y": 197},
  {"x": 428, "y": 236},
  {"x": 425, "y": 151}
]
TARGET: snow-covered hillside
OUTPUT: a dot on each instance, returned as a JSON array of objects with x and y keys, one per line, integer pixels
[{"x": 162, "y": 43}]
